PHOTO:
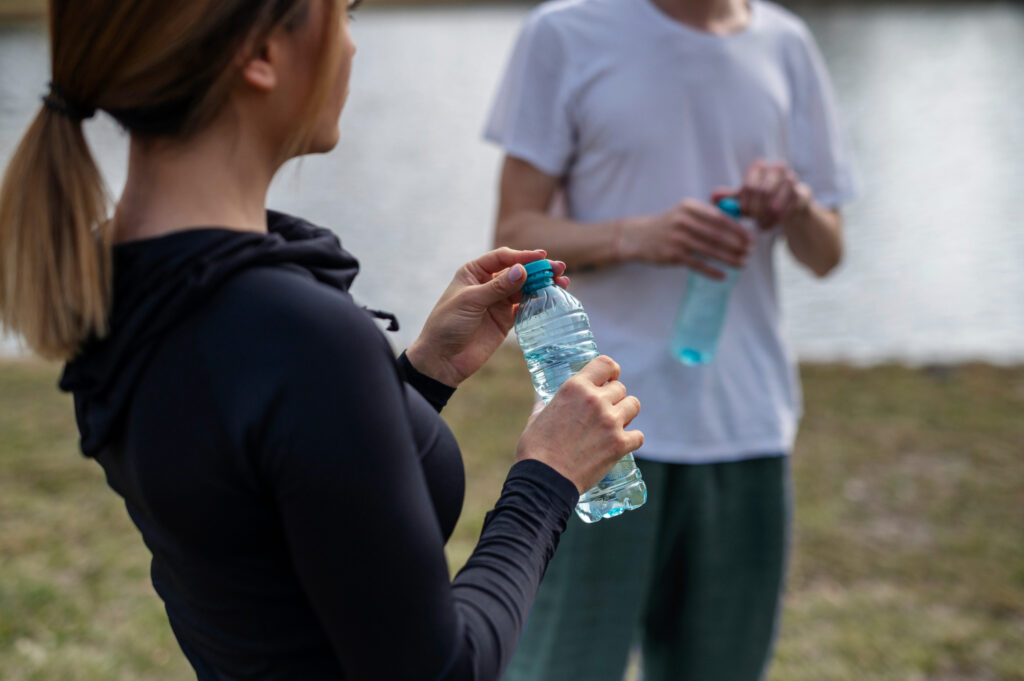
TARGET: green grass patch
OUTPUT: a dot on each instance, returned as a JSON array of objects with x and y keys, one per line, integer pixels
[
  {"x": 22, "y": 10},
  {"x": 909, "y": 538}
]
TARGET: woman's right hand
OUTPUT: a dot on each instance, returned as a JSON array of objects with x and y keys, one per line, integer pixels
[{"x": 581, "y": 432}]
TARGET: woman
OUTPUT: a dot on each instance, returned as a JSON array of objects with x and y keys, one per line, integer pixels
[{"x": 291, "y": 478}]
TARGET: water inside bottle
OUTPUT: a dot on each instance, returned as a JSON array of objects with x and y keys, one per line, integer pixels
[
  {"x": 553, "y": 365},
  {"x": 557, "y": 344},
  {"x": 621, "y": 490},
  {"x": 701, "y": 317}
]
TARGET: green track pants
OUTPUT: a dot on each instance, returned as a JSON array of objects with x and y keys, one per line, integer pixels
[{"x": 694, "y": 577}]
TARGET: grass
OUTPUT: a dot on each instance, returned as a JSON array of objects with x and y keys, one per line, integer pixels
[
  {"x": 22, "y": 10},
  {"x": 908, "y": 562}
]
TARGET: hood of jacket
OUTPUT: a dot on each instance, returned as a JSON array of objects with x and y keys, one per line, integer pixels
[{"x": 158, "y": 282}]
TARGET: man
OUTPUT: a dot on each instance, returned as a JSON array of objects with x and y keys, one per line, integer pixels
[{"x": 639, "y": 114}]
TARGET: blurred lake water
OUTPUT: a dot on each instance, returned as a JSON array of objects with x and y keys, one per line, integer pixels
[{"x": 932, "y": 95}]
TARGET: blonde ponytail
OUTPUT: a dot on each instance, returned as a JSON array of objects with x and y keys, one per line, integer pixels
[
  {"x": 55, "y": 252},
  {"x": 161, "y": 69}
]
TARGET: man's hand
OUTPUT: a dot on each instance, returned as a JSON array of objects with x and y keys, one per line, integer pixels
[
  {"x": 690, "y": 233},
  {"x": 772, "y": 193}
]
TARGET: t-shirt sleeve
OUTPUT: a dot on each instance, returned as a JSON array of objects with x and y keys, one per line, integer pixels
[
  {"x": 339, "y": 455},
  {"x": 819, "y": 150},
  {"x": 531, "y": 117}
]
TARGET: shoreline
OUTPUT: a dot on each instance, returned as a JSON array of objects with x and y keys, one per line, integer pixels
[
  {"x": 18, "y": 16},
  {"x": 22, "y": 11},
  {"x": 937, "y": 370},
  {"x": 933, "y": 366}
]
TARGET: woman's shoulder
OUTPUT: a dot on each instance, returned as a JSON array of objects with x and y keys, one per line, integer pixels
[
  {"x": 288, "y": 304},
  {"x": 285, "y": 312}
]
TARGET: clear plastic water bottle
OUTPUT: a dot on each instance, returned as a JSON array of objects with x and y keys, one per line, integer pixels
[
  {"x": 554, "y": 334},
  {"x": 702, "y": 314}
]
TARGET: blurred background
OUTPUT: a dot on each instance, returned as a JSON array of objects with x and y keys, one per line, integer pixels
[
  {"x": 932, "y": 95},
  {"x": 909, "y": 560}
]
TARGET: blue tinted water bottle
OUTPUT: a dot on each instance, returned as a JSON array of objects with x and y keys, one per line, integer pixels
[
  {"x": 554, "y": 334},
  {"x": 702, "y": 314}
]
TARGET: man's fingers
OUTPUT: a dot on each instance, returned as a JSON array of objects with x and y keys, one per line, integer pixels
[
  {"x": 714, "y": 253},
  {"x": 701, "y": 266},
  {"x": 751, "y": 179},
  {"x": 773, "y": 183},
  {"x": 771, "y": 179},
  {"x": 761, "y": 181},
  {"x": 753, "y": 175},
  {"x": 769, "y": 192},
  {"x": 711, "y": 243},
  {"x": 783, "y": 199},
  {"x": 720, "y": 193},
  {"x": 717, "y": 226},
  {"x": 759, "y": 190}
]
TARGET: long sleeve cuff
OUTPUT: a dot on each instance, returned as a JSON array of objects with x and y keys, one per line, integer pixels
[
  {"x": 433, "y": 391},
  {"x": 555, "y": 485}
]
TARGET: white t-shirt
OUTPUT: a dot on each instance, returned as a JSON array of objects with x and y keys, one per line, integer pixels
[{"x": 637, "y": 111}]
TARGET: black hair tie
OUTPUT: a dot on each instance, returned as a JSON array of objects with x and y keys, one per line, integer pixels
[{"x": 57, "y": 100}]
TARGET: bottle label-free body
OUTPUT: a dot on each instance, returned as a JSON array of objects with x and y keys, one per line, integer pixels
[
  {"x": 556, "y": 344},
  {"x": 702, "y": 314},
  {"x": 702, "y": 317}
]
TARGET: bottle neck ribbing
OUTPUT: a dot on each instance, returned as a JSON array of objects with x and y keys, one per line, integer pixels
[{"x": 537, "y": 281}]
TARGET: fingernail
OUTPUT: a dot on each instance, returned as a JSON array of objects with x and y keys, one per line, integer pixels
[{"x": 516, "y": 273}]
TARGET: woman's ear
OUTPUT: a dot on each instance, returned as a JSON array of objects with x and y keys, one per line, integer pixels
[{"x": 259, "y": 69}]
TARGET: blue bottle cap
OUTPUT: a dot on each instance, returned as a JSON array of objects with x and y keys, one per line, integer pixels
[
  {"x": 730, "y": 206},
  {"x": 538, "y": 266},
  {"x": 538, "y": 275}
]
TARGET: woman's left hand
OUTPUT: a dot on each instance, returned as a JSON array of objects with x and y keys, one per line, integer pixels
[{"x": 474, "y": 315}]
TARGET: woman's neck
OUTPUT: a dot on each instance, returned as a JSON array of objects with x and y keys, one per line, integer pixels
[
  {"x": 720, "y": 17},
  {"x": 214, "y": 179}
]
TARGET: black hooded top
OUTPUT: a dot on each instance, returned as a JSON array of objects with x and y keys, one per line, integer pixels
[{"x": 293, "y": 481}]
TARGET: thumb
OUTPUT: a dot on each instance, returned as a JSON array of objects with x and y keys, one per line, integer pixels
[{"x": 500, "y": 287}]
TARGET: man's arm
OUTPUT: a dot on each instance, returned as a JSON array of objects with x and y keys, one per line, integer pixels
[
  {"x": 772, "y": 194},
  {"x": 815, "y": 237},
  {"x": 687, "y": 230},
  {"x": 525, "y": 197}
]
